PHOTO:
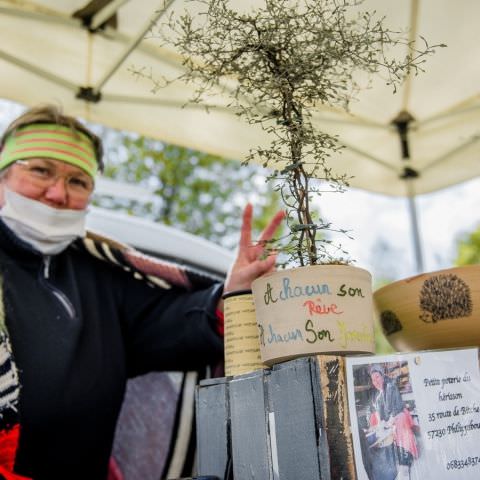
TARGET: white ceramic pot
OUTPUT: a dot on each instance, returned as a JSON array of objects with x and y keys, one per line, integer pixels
[{"x": 313, "y": 310}]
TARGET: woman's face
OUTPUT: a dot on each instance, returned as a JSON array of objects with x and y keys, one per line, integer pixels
[
  {"x": 52, "y": 182},
  {"x": 377, "y": 380}
]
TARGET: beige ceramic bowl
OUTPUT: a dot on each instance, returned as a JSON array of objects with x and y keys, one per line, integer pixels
[{"x": 433, "y": 310}]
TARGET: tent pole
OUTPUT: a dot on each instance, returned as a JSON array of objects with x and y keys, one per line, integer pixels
[
  {"x": 105, "y": 13},
  {"x": 414, "y": 225},
  {"x": 133, "y": 43},
  {"x": 37, "y": 71},
  {"x": 402, "y": 123}
]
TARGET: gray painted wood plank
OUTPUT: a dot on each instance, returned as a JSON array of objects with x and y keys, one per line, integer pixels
[
  {"x": 249, "y": 434},
  {"x": 212, "y": 422}
]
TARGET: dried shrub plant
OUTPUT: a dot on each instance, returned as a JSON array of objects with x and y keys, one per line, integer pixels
[{"x": 278, "y": 62}]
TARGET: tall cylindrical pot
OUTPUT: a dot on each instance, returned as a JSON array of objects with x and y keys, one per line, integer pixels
[{"x": 242, "y": 345}]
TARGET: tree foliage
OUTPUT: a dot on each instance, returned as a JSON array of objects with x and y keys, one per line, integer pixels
[
  {"x": 200, "y": 193},
  {"x": 286, "y": 57},
  {"x": 468, "y": 249}
]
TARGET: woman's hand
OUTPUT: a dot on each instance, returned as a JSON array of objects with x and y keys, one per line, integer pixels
[{"x": 249, "y": 263}]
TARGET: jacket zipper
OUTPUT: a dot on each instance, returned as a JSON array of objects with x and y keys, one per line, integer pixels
[{"x": 61, "y": 297}]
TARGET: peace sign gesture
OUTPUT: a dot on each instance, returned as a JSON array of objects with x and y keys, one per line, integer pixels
[{"x": 249, "y": 264}]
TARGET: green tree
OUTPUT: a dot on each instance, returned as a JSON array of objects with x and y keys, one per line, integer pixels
[
  {"x": 200, "y": 193},
  {"x": 468, "y": 249}
]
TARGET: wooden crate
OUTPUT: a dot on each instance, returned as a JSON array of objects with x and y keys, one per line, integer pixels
[{"x": 288, "y": 422}]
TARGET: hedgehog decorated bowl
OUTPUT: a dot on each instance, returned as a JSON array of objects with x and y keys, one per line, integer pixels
[{"x": 433, "y": 310}]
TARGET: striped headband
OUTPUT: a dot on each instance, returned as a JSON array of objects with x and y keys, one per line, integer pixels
[{"x": 49, "y": 140}]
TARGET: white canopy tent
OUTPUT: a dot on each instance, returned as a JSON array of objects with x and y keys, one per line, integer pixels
[{"x": 81, "y": 55}]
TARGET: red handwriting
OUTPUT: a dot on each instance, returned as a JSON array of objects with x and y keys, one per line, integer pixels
[{"x": 321, "y": 309}]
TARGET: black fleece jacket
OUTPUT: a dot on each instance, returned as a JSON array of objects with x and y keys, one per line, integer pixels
[{"x": 79, "y": 328}]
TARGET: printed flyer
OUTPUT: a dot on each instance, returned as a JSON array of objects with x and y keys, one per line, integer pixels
[{"x": 416, "y": 415}]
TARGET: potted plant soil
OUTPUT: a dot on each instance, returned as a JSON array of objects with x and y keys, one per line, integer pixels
[{"x": 278, "y": 61}]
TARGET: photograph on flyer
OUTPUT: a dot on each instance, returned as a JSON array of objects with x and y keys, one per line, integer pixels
[{"x": 387, "y": 419}]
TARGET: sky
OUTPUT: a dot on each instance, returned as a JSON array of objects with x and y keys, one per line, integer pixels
[{"x": 380, "y": 225}]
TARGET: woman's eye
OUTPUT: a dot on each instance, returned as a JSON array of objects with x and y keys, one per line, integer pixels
[
  {"x": 79, "y": 183},
  {"x": 41, "y": 171}
]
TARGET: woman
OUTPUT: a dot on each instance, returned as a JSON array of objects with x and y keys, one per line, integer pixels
[
  {"x": 75, "y": 327},
  {"x": 390, "y": 414}
]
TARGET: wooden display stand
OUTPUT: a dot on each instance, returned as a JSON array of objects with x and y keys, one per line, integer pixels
[{"x": 290, "y": 422}]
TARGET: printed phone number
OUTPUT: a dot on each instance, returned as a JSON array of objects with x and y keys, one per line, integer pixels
[{"x": 459, "y": 464}]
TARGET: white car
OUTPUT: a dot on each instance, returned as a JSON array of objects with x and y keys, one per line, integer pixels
[
  {"x": 161, "y": 241},
  {"x": 154, "y": 238}
]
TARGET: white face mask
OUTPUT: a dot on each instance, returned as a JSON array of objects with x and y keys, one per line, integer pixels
[{"x": 49, "y": 230}]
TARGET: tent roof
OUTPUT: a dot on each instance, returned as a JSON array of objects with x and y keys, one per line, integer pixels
[{"x": 48, "y": 55}]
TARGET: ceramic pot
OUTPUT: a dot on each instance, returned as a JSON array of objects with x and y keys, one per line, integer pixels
[
  {"x": 242, "y": 344},
  {"x": 313, "y": 310},
  {"x": 433, "y": 310}
]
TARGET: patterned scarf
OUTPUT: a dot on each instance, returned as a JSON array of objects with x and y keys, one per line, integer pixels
[{"x": 156, "y": 272}]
